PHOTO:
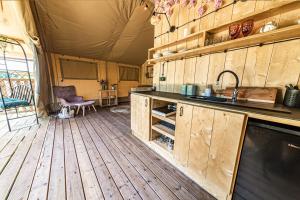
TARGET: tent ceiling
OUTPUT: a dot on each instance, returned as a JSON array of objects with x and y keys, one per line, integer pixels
[{"x": 115, "y": 30}]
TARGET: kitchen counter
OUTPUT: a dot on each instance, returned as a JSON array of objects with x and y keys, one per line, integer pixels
[{"x": 281, "y": 114}]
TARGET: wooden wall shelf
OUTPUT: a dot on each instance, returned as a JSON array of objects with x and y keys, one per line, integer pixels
[
  {"x": 281, "y": 34},
  {"x": 179, "y": 41},
  {"x": 170, "y": 119},
  {"x": 164, "y": 130},
  {"x": 252, "y": 40},
  {"x": 259, "y": 14}
]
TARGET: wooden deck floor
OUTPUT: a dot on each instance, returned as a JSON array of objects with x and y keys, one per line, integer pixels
[{"x": 92, "y": 157}]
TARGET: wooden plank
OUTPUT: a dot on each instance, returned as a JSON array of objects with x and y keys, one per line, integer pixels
[
  {"x": 226, "y": 141},
  {"x": 201, "y": 72},
  {"x": 22, "y": 184},
  {"x": 74, "y": 188},
  {"x": 161, "y": 190},
  {"x": 189, "y": 71},
  {"x": 57, "y": 188},
  {"x": 255, "y": 94},
  {"x": 179, "y": 73},
  {"x": 12, "y": 169},
  {"x": 125, "y": 186},
  {"x": 144, "y": 190},
  {"x": 235, "y": 61},
  {"x": 116, "y": 125},
  {"x": 107, "y": 184},
  {"x": 241, "y": 9},
  {"x": 156, "y": 74},
  {"x": 10, "y": 148},
  {"x": 5, "y": 139},
  {"x": 216, "y": 66},
  {"x": 170, "y": 119},
  {"x": 182, "y": 133},
  {"x": 165, "y": 172},
  {"x": 223, "y": 16},
  {"x": 90, "y": 183},
  {"x": 164, "y": 130},
  {"x": 257, "y": 65},
  {"x": 40, "y": 181},
  {"x": 171, "y": 76},
  {"x": 201, "y": 132},
  {"x": 252, "y": 40},
  {"x": 283, "y": 64},
  {"x": 145, "y": 116}
]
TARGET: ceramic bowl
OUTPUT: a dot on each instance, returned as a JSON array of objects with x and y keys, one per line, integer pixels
[
  {"x": 157, "y": 55},
  {"x": 247, "y": 27},
  {"x": 234, "y": 31}
]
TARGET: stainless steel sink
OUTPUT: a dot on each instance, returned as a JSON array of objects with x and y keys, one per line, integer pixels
[{"x": 205, "y": 98}]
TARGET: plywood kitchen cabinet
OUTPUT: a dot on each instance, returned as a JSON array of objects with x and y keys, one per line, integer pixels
[
  {"x": 225, "y": 147},
  {"x": 208, "y": 144},
  {"x": 140, "y": 116},
  {"x": 201, "y": 131},
  {"x": 182, "y": 133}
]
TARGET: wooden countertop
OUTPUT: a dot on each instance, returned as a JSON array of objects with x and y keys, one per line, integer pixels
[{"x": 292, "y": 118}]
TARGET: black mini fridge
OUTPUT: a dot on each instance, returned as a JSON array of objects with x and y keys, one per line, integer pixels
[{"x": 269, "y": 167}]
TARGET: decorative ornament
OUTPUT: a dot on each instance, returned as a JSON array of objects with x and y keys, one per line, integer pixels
[
  {"x": 192, "y": 3},
  {"x": 155, "y": 19},
  {"x": 218, "y": 4},
  {"x": 184, "y": 3},
  {"x": 201, "y": 10},
  {"x": 169, "y": 12}
]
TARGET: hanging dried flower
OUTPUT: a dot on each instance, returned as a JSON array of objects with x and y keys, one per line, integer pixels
[
  {"x": 171, "y": 2},
  {"x": 184, "y": 3},
  {"x": 192, "y": 3},
  {"x": 201, "y": 10},
  {"x": 218, "y": 4},
  {"x": 169, "y": 12}
]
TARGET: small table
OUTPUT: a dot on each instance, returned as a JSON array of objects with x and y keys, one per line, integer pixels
[
  {"x": 82, "y": 105},
  {"x": 111, "y": 96}
]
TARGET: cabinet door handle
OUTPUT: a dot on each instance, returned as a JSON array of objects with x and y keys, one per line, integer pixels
[
  {"x": 181, "y": 111},
  {"x": 146, "y": 102}
]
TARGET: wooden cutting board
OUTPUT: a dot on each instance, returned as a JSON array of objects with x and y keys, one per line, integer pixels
[{"x": 256, "y": 94}]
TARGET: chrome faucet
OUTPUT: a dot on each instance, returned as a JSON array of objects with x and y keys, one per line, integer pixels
[{"x": 235, "y": 91}]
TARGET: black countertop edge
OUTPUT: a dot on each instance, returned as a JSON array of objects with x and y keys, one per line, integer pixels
[{"x": 293, "y": 115}]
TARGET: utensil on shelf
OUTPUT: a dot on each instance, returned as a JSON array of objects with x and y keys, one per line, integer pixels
[{"x": 270, "y": 26}]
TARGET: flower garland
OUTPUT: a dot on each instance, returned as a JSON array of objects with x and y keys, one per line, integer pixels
[{"x": 167, "y": 6}]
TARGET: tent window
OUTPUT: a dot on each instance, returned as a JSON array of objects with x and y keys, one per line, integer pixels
[
  {"x": 128, "y": 73},
  {"x": 73, "y": 69}
]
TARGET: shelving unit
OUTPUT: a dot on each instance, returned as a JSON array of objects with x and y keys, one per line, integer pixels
[
  {"x": 164, "y": 130},
  {"x": 162, "y": 146},
  {"x": 170, "y": 119},
  {"x": 280, "y": 34},
  {"x": 110, "y": 96},
  {"x": 159, "y": 129}
]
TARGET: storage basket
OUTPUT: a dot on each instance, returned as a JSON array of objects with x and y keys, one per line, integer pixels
[{"x": 292, "y": 98}]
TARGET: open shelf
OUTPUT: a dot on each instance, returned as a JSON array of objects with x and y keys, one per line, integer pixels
[
  {"x": 257, "y": 39},
  {"x": 162, "y": 146},
  {"x": 179, "y": 41},
  {"x": 164, "y": 130},
  {"x": 170, "y": 119},
  {"x": 252, "y": 40},
  {"x": 259, "y": 14}
]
